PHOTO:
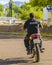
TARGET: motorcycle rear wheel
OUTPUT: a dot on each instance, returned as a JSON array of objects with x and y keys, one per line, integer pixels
[{"x": 35, "y": 53}]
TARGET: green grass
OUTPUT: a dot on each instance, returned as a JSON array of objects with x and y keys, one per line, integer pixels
[
  {"x": 12, "y": 33},
  {"x": 43, "y": 34},
  {"x": 46, "y": 34}
]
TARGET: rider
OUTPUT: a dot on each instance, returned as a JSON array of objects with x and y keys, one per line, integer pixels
[{"x": 32, "y": 27}]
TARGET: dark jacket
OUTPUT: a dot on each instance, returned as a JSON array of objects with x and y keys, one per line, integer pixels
[{"x": 32, "y": 26}]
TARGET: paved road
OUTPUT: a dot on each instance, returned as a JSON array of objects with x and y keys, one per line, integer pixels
[{"x": 12, "y": 52}]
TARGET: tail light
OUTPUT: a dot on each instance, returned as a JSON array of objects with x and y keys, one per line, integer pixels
[
  {"x": 30, "y": 38},
  {"x": 36, "y": 36}
]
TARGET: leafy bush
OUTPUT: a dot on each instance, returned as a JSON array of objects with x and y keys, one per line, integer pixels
[
  {"x": 51, "y": 24},
  {"x": 26, "y": 9},
  {"x": 44, "y": 24}
]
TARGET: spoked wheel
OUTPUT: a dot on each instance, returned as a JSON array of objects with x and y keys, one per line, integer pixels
[{"x": 35, "y": 54}]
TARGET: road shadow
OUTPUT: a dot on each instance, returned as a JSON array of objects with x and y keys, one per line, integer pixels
[{"x": 9, "y": 61}]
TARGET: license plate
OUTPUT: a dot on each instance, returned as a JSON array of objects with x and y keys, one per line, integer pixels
[{"x": 36, "y": 41}]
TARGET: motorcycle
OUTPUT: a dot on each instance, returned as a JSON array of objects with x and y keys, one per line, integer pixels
[{"x": 34, "y": 42}]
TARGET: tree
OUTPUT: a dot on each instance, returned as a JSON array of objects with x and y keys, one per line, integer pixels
[
  {"x": 26, "y": 6},
  {"x": 26, "y": 9},
  {"x": 10, "y": 7},
  {"x": 40, "y": 2},
  {"x": 1, "y": 10},
  {"x": 16, "y": 9},
  {"x": 1, "y": 14},
  {"x": 8, "y": 13}
]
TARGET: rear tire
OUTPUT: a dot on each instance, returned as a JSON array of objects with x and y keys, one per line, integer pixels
[{"x": 35, "y": 53}]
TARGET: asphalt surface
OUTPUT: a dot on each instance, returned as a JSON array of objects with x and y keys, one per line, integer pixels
[{"x": 12, "y": 52}]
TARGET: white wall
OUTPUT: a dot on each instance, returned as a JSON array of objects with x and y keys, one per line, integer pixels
[{"x": 45, "y": 12}]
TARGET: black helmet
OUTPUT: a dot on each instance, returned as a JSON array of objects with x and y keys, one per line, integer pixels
[{"x": 31, "y": 15}]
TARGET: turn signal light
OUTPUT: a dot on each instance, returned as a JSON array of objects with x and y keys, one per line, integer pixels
[{"x": 30, "y": 38}]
